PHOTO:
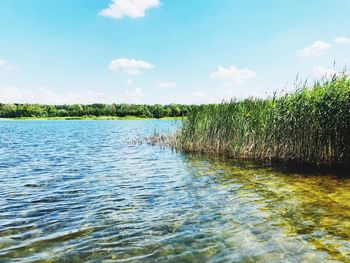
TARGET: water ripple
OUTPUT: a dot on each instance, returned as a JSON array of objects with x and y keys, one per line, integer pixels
[{"x": 77, "y": 192}]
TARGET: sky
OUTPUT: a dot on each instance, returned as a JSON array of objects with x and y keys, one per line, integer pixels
[{"x": 166, "y": 51}]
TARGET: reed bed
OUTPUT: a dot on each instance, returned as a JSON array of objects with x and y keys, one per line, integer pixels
[{"x": 308, "y": 127}]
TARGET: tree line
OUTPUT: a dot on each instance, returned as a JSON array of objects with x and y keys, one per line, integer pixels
[{"x": 79, "y": 110}]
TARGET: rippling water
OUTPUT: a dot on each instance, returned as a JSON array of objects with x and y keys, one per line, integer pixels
[{"x": 77, "y": 191}]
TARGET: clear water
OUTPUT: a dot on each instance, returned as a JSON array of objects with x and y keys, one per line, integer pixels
[{"x": 77, "y": 191}]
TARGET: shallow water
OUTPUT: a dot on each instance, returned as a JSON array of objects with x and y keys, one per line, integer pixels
[{"x": 77, "y": 191}]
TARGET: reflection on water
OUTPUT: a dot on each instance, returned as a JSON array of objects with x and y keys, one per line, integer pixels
[{"x": 78, "y": 192}]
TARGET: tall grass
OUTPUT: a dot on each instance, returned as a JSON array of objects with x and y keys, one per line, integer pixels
[{"x": 308, "y": 127}]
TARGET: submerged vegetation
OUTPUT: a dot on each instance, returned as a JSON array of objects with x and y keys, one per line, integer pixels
[
  {"x": 94, "y": 110},
  {"x": 308, "y": 127}
]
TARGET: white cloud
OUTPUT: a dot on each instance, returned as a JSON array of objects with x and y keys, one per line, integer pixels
[
  {"x": 12, "y": 94},
  {"x": 167, "y": 85},
  {"x": 129, "y": 81},
  {"x": 88, "y": 97},
  {"x": 198, "y": 94},
  {"x": 132, "y": 8},
  {"x": 134, "y": 95},
  {"x": 6, "y": 66},
  {"x": 200, "y": 97},
  {"x": 342, "y": 40},
  {"x": 228, "y": 91},
  {"x": 48, "y": 96},
  {"x": 129, "y": 66},
  {"x": 232, "y": 73},
  {"x": 315, "y": 49},
  {"x": 321, "y": 72}
]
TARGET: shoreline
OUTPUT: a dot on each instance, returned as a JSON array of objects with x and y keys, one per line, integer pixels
[
  {"x": 308, "y": 127},
  {"x": 89, "y": 118}
]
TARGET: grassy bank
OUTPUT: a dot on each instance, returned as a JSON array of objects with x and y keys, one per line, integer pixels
[
  {"x": 308, "y": 127},
  {"x": 91, "y": 118}
]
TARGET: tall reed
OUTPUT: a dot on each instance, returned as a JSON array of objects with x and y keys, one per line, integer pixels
[{"x": 309, "y": 127}]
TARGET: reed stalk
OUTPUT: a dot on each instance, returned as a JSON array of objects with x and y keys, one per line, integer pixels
[{"x": 308, "y": 127}]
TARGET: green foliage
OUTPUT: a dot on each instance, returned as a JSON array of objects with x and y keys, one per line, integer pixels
[
  {"x": 310, "y": 126},
  {"x": 97, "y": 110}
]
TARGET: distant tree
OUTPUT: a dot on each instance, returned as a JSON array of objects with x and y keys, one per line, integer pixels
[{"x": 98, "y": 109}]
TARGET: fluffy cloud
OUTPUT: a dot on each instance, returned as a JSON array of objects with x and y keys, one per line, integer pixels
[
  {"x": 322, "y": 72},
  {"x": 167, "y": 85},
  {"x": 232, "y": 73},
  {"x": 12, "y": 95},
  {"x": 201, "y": 97},
  {"x": 47, "y": 96},
  {"x": 129, "y": 81},
  {"x": 198, "y": 97},
  {"x": 228, "y": 91},
  {"x": 129, "y": 66},
  {"x": 231, "y": 91},
  {"x": 132, "y": 8},
  {"x": 315, "y": 49},
  {"x": 342, "y": 40},
  {"x": 134, "y": 95},
  {"x": 6, "y": 66},
  {"x": 198, "y": 94}
]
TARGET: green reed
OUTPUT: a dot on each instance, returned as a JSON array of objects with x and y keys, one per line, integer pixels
[{"x": 308, "y": 127}]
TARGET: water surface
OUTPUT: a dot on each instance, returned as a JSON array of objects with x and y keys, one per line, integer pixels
[{"x": 77, "y": 191}]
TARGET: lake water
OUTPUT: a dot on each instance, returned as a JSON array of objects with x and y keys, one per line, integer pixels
[{"x": 77, "y": 191}]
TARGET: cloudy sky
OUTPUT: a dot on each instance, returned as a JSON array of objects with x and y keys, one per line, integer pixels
[{"x": 166, "y": 51}]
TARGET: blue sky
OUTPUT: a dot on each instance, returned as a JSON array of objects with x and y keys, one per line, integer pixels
[{"x": 166, "y": 51}]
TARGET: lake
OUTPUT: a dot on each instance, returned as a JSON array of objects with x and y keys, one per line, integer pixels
[{"x": 79, "y": 191}]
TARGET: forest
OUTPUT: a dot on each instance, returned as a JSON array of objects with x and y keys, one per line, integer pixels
[{"x": 79, "y": 110}]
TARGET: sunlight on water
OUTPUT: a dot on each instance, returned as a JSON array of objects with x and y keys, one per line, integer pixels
[
  {"x": 295, "y": 212},
  {"x": 78, "y": 192}
]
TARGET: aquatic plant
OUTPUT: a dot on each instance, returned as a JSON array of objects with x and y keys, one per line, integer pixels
[{"x": 308, "y": 127}]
